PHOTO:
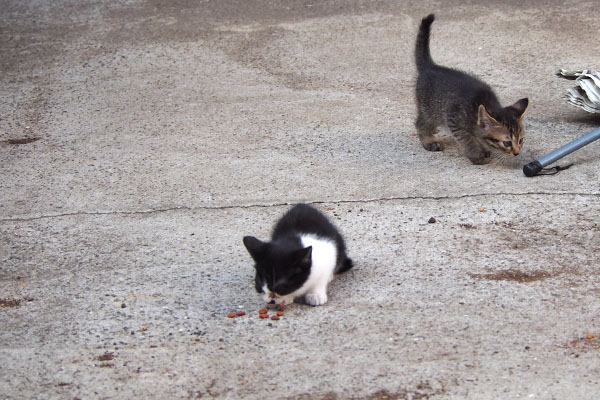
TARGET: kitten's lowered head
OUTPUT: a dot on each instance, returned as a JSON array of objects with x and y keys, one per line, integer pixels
[
  {"x": 281, "y": 268},
  {"x": 502, "y": 129}
]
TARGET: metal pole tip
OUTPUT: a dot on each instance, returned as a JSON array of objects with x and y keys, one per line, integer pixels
[{"x": 532, "y": 168}]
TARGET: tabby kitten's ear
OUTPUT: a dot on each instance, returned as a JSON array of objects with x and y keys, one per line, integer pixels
[
  {"x": 255, "y": 247},
  {"x": 485, "y": 120},
  {"x": 521, "y": 106}
]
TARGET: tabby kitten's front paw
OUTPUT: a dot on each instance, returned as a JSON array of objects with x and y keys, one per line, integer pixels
[
  {"x": 315, "y": 299},
  {"x": 480, "y": 158},
  {"x": 433, "y": 146}
]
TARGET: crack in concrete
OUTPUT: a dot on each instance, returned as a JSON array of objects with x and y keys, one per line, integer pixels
[{"x": 282, "y": 204}]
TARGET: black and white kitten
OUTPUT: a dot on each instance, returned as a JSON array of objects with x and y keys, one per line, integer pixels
[
  {"x": 465, "y": 104},
  {"x": 304, "y": 253}
]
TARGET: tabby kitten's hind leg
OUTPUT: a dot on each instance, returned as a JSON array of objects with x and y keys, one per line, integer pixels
[{"x": 427, "y": 133}]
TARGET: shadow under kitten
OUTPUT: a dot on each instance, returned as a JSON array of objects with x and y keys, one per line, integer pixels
[{"x": 466, "y": 105}]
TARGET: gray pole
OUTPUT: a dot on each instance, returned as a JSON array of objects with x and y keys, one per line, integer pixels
[{"x": 534, "y": 167}]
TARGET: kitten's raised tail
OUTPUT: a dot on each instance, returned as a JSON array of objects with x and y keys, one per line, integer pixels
[{"x": 422, "y": 54}]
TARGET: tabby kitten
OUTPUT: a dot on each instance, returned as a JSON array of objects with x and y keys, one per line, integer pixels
[
  {"x": 465, "y": 104},
  {"x": 305, "y": 251}
]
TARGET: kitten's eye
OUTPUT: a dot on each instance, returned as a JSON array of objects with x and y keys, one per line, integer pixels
[
  {"x": 521, "y": 141},
  {"x": 506, "y": 143}
]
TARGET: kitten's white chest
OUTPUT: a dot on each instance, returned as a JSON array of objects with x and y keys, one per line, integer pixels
[{"x": 324, "y": 258}]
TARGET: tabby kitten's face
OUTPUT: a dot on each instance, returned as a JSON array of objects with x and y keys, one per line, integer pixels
[{"x": 504, "y": 134}]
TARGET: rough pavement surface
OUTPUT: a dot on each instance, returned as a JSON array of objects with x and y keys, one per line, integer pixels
[{"x": 167, "y": 130}]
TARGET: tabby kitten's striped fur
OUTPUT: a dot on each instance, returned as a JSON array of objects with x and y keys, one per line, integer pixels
[{"x": 468, "y": 106}]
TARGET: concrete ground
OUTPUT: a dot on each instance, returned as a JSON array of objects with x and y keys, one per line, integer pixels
[{"x": 170, "y": 129}]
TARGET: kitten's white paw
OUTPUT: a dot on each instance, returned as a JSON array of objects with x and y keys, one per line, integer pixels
[{"x": 315, "y": 299}]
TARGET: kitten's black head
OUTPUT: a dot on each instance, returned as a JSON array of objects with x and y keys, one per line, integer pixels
[{"x": 281, "y": 268}]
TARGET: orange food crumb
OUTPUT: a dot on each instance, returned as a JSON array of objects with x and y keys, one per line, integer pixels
[
  {"x": 231, "y": 315},
  {"x": 275, "y": 318},
  {"x": 280, "y": 313},
  {"x": 590, "y": 336},
  {"x": 262, "y": 311},
  {"x": 240, "y": 313}
]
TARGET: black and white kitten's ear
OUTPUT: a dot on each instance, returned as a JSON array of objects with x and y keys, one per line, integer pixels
[
  {"x": 521, "y": 106},
  {"x": 255, "y": 247},
  {"x": 484, "y": 119},
  {"x": 304, "y": 256}
]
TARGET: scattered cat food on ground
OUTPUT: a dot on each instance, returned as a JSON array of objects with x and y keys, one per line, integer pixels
[
  {"x": 263, "y": 313},
  {"x": 583, "y": 343},
  {"x": 234, "y": 314}
]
